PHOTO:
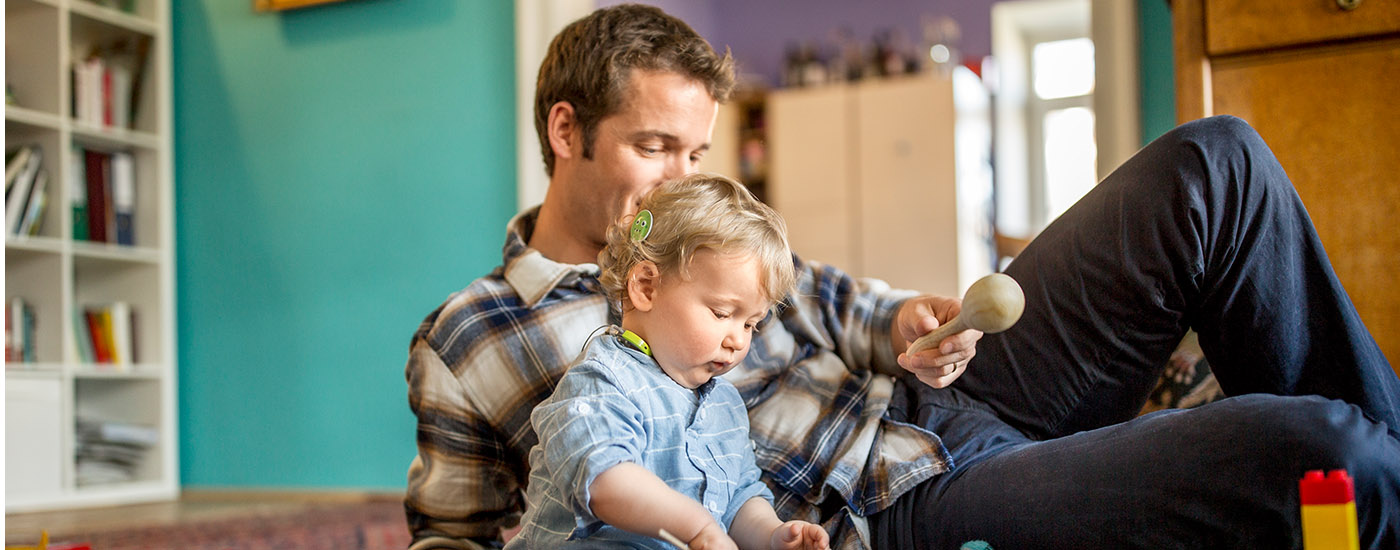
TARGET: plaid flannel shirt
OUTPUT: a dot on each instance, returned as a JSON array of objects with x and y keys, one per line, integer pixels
[{"x": 482, "y": 360}]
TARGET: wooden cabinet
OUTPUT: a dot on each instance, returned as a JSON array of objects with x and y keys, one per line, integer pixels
[
  {"x": 1319, "y": 82},
  {"x": 60, "y": 273},
  {"x": 887, "y": 178}
]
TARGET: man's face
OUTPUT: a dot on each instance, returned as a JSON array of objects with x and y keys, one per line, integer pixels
[{"x": 660, "y": 132}]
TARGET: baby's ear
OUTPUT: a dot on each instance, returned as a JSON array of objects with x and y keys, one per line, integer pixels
[{"x": 641, "y": 284}]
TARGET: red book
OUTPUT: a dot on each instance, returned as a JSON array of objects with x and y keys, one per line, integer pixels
[
  {"x": 100, "y": 351},
  {"x": 97, "y": 164},
  {"x": 106, "y": 96}
]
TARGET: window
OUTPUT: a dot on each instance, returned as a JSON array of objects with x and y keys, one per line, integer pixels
[
  {"x": 1063, "y": 68},
  {"x": 1063, "y": 75},
  {"x": 1045, "y": 134},
  {"x": 1070, "y": 156}
]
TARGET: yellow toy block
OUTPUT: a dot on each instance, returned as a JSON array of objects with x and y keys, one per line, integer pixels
[{"x": 1329, "y": 511}]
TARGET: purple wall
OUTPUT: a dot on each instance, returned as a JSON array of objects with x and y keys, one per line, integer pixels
[
  {"x": 759, "y": 31},
  {"x": 699, "y": 14}
]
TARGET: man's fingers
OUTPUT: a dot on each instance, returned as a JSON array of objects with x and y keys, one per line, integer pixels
[
  {"x": 933, "y": 359},
  {"x": 945, "y": 377}
]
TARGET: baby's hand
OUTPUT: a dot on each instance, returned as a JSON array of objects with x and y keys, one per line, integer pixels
[
  {"x": 712, "y": 537},
  {"x": 799, "y": 535}
]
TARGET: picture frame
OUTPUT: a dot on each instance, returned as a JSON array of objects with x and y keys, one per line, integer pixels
[{"x": 282, "y": 5}]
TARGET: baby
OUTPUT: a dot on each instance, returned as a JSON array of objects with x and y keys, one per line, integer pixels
[{"x": 641, "y": 437}]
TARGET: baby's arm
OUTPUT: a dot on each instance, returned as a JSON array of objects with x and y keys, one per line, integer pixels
[
  {"x": 631, "y": 498},
  {"x": 757, "y": 526}
]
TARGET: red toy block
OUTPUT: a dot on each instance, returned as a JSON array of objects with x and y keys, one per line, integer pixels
[{"x": 1328, "y": 511}]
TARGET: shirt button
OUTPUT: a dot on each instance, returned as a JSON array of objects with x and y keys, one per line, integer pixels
[
  {"x": 582, "y": 408},
  {"x": 714, "y": 507}
]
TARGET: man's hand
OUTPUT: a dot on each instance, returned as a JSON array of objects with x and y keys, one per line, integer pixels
[
  {"x": 800, "y": 535},
  {"x": 938, "y": 367}
]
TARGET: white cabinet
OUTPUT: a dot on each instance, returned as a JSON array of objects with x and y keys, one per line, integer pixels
[
  {"x": 59, "y": 274},
  {"x": 887, "y": 178},
  {"x": 33, "y": 446}
]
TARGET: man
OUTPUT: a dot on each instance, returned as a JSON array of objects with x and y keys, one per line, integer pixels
[{"x": 1030, "y": 447}]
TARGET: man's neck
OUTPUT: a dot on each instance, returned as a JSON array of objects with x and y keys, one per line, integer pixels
[{"x": 554, "y": 238}]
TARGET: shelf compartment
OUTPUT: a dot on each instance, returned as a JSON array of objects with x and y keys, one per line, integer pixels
[
  {"x": 130, "y": 406},
  {"x": 149, "y": 197},
  {"x": 99, "y": 282},
  {"x": 34, "y": 447},
  {"x": 121, "y": 41},
  {"x": 50, "y": 147},
  {"x": 32, "y": 55},
  {"x": 37, "y": 277}
]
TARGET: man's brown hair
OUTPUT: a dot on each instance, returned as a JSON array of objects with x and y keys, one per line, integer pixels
[{"x": 588, "y": 64}]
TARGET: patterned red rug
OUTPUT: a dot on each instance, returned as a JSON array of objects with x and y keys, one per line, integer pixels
[{"x": 376, "y": 525}]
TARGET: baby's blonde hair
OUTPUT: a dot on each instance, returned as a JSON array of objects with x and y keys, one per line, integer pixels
[{"x": 700, "y": 211}]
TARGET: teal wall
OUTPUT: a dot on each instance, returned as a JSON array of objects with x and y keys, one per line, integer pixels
[
  {"x": 339, "y": 171},
  {"x": 1158, "y": 87}
]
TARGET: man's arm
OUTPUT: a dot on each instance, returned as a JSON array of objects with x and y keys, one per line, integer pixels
[
  {"x": 461, "y": 489},
  {"x": 869, "y": 325},
  {"x": 850, "y": 316},
  {"x": 630, "y": 497}
]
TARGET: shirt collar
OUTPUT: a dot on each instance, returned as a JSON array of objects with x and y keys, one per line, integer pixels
[
  {"x": 527, "y": 270},
  {"x": 612, "y": 341}
]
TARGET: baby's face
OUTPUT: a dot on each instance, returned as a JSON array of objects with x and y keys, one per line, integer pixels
[{"x": 703, "y": 323}]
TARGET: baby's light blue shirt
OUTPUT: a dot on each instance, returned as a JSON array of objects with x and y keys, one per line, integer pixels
[{"x": 616, "y": 405}]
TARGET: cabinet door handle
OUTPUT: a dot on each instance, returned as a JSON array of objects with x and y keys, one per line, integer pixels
[{"x": 1348, "y": 5}]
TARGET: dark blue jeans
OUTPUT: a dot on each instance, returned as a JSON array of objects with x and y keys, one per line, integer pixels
[{"x": 1201, "y": 229}]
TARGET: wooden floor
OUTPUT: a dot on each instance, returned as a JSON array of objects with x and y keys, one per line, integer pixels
[{"x": 192, "y": 507}]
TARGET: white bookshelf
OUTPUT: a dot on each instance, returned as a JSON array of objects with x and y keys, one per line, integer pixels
[{"x": 59, "y": 275}]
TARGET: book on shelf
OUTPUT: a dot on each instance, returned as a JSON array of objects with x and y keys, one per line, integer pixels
[
  {"x": 96, "y": 170},
  {"x": 104, "y": 209},
  {"x": 118, "y": 318},
  {"x": 118, "y": 97},
  {"x": 110, "y": 451},
  {"x": 33, "y": 218},
  {"x": 87, "y": 90},
  {"x": 101, "y": 344},
  {"x": 123, "y": 197},
  {"x": 82, "y": 338},
  {"x": 106, "y": 334},
  {"x": 19, "y": 191},
  {"x": 15, "y": 161},
  {"x": 19, "y": 332},
  {"x": 77, "y": 194},
  {"x": 106, "y": 83}
]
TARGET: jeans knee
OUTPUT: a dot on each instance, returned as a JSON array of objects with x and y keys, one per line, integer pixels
[
  {"x": 1330, "y": 434},
  {"x": 1227, "y": 128},
  {"x": 1230, "y": 155}
]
